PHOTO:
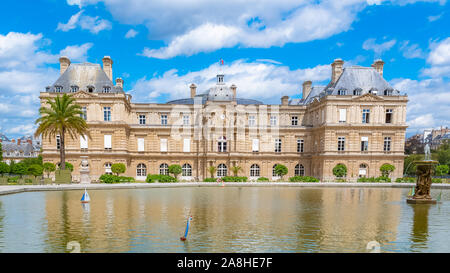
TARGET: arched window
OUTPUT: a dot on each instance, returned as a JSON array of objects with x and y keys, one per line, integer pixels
[
  {"x": 222, "y": 144},
  {"x": 141, "y": 170},
  {"x": 273, "y": 171},
  {"x": 108, "y": 168},
  {"x": 164, "y": 169},
  {"x": 186, "y": 170},
  {"x": 222, "y": 170},
  {"x": 254, "y": 170},
  {"x": 362, "y": 170},
  {"x": 299, "y": 170}
]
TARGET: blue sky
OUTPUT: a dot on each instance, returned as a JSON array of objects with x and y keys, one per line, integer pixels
[{"x": 269, "y": 48}]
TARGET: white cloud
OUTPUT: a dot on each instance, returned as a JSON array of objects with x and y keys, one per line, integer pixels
[
  {"x": 131, "y": 34},
  {"x": 411, "y": 51},
  {"x": 76, "y": 52},
  {"x": 24, "y": 129},
  {"x": 258, "y": 80},
  {"x": 435, "y": 17},
  {"x": 439, "y": 59},
  {"x": 370, "y": 44},
  {"x": 93, "y": 24}
]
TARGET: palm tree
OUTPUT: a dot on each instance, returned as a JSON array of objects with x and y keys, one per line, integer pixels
[
  {"x": 236, "y": 170},
  {"x": 61, "y": 118}
]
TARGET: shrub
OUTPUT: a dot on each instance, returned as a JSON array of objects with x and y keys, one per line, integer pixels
[
  {"x": 4, "y": 168},
  {"x": 340, "y": 180},
  {"x": 151, "y": 178},
  {"x": 262, "y": 179},
  {"x": 234, "y": 179},
  {"x": 118, "y": 168},
  {"x": 386, "y": 169},
  {"x": 374, "y": 179},
  {"x": 19, "y": 168},
  {"x": 35, "y": 170},
  {"x": 14, "y": 179},
  {"x": 303, "y": 179},
  {"x": 281, "y": 170},
  {"x": 110, "y": 178},
  {"x": 69, "y": 166},
  {"x": 175, "y": 169},
  {"x": 441, "y": 170},
  {"x": 436, "y": 180},
  {"x": 405, "y": 180},
  {"x": 48, "y": 168},
  {"x": 340, "y": 170},
  {"x": 28, "y": 181},
  {"x": 210, "y": 179}
]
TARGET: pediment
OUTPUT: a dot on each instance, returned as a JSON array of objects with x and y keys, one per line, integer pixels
[
  {"x": 82, "y": 94},
  {"x": 368, "y": 97}
]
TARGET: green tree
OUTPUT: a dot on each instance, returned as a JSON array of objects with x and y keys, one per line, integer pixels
[
  {"x": 386, "y": 169},
  {"x": 35, "y": 170},
  {"x": 118, "y": 168},
  {"x": 236, "y": 170},
  {"x": 48, "y": 168},
  {"x": 212, "y": 170},
  {"x": 32, "y": 161},
  {"x": 443, "y": 154},
  {"x": 441, "y": 170},
  {"x": 4, "y": 168},
  {"x": 19, "y": 168},
  {"x": 69, "y": 166},
  {"x": 340, "y": 170},
  {"x": 175, "y": 169},
  {"x": 1, "y": 152},
  {"x": 62, "y": 118},
  {"x": 281, "y": 170}
]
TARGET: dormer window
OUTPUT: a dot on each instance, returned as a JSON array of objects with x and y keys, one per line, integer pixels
[
  {"x": 373, "y": 91},
  {"x": 74, "y": 88},
  {"x": 47, "y": 89},
  {"x": 106, "y": 89},
  {"x": 220, "y": 78},
  {"x": 388, "y": 92},
  {"x": 58, "y": 89},
  {"x": 342, "y": 92},
  {"x": 357, "y": 92},
  {"x": 90, "y": 89}
]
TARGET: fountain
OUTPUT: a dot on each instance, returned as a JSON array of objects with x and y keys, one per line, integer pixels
[{"x": 423, "y": 184}]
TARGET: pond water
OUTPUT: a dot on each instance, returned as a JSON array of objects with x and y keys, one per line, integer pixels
[{"x": 225, "y": 219}]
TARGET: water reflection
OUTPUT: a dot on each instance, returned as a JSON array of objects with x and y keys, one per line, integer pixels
[{"x": 230, "y": 219}]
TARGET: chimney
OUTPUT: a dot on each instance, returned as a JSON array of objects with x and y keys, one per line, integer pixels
[
  {"x": 193, "y": 90},
  {"x": 233, "y": 88},
  {"x": 378, "y": 65},
  {"x": 30, "y": 141},
  {"x": 64, "y": 63},
  {"x": 107, "y": 66},
  {"x": 119, "y": 82},
  {"x": 18, "y": 141},
  {"x": 306, "y": 89},
  {"x": 285, "y": 100},
  {"x": 336, "y": 69},
  {"x": 13, "y": 140}
]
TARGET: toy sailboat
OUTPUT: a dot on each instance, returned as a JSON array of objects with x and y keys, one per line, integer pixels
[
  {"x": 85, "y": 198},
  {"x": 187, "y": 229},
  {"x": 411, "y": 192}
]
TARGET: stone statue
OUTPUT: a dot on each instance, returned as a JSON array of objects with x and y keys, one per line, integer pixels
[
  {"x": 427, "y": 152},
  {"x": 423, "y": 182}
]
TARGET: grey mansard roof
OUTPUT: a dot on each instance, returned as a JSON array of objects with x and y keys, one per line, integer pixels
[
  {"x": 84, "y": 75},
  {"x": 204, "y": 97}
]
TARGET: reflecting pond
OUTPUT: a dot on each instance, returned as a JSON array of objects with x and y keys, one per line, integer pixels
[{"x": 225, "y": 219}]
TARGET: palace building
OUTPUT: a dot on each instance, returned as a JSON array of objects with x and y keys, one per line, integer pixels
[{"x": 357, "y": 120}]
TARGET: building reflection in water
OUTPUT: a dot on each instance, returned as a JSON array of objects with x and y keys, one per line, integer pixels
[{"x": 419, "y": 233}]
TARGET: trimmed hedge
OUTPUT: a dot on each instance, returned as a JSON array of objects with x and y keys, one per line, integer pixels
[
  {"x": 262, "y": 179},
  {"x": 210, "y": 179},
  {"x": 303, "y": 179},
  {"x": 406, "y": 180},
  {"x": 110, "y": 178},
  {"x": 234, "y": 179},
  {"x": 375, "y": 179},
  {"x": 436, "y": 180},
  {"x": 152, "y": 178}
]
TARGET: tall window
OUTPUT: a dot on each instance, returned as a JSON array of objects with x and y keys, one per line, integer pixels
[
  {"x": 387, "y": 144},
  {"x": 294, "y": 120},
  {"x": 365, "y": 115},
  {"x": 277, "y": 145},
  {"x": 222, "y": 144},
  {"x": 107, "y": 113},
  {"x": 163, "y": 144},
  {"x": 251, "y": 120},
  {"x": 141, "y": 144},
  {"x": 362, "y": 170},
  {"x": 255, "y": 145},
  {"x": 142, "y": 119},
  {"x": 108, "y": 168},
  {"x": 364, "y": 144},
  {"x": 300, "y": 144},
  {"x": 273, "y": 120},
  {"x": 58, "y": 142},
  {"x": 273, "y": 171},
  {"x": 83, "y": 115},
  {"x": 186, "y": 120},
  {"x": 141, "y": 170},
  {"x": 164, "y": 169},
  {"x": 222, "y": 170},
  {"x": 299, "y": 170},
  {"x": 186, "y": 170},
  {"x": 107, "y": 142},
  {"x": 164, "y": 119},
  {"x": 389, "y": 115},
  {"x": 342, "y": 115},
  {"x": 341, "y": 143},
  {"x": 254, "y": 170},
  {"x": 83, "y": 142}
]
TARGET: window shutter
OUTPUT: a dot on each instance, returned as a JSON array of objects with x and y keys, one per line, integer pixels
[
  {"x": 163, "y": 145},
  {"x": 342, "y": 115},
  {"x": 255, "y": 145},
  {"x": 187, "y": 145},
  {"x": 108, "y": 142},
  {"x": 141, "y": 145},
  {"x": 83, "y": 142}
]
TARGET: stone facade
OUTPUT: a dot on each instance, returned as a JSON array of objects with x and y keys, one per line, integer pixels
[{"x": 219, "y": 129}]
